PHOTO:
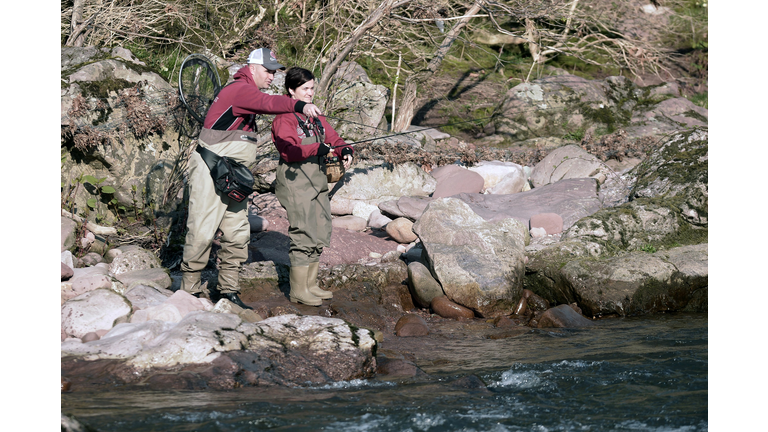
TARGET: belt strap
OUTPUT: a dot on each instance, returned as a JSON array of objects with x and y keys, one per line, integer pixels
[{"x": 210, "y": 158}]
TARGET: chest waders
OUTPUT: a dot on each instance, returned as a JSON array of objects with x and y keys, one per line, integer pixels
[
  {"x": 302, "y": 189},
  {"x": 210, "y": 211}
]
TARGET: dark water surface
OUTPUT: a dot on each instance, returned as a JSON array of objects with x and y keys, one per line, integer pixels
[{"x": 629, "y": 374}]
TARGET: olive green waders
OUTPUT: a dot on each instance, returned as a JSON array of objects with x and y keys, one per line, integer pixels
[
  {"x": 209, "y": 211},
  {"x": 302, "y": 189}
]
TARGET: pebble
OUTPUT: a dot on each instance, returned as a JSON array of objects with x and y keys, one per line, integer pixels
[
  {"x": 411, "y": 325},
  {"x": 447, "y": 309}
]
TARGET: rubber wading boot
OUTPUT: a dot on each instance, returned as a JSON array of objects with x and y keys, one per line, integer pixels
[
  {"x": 299, "y": 291},
  {"x": 314, "y": 268}
]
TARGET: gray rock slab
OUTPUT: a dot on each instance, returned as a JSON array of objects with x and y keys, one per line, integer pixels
[
  {"x": 68, "y": 227},
  {"x": 572, "y": 199},
  {"x": 95, "y": 310},
  {"x": 134, "y": 259},
  {"x": 568, "y": 162},
  {"x": 143, "y": 296},
  {"x": 154, "y": 277},
  {"x": 413, "y": 206}
]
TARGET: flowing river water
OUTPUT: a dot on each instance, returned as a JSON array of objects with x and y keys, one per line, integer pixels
[{"x": 626, "y": 374}]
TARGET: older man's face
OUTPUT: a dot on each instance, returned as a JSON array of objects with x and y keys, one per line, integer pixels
[{"x": 262, "y": 76}]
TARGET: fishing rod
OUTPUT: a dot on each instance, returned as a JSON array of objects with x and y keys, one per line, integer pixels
[{"x": 396, "y": 134}]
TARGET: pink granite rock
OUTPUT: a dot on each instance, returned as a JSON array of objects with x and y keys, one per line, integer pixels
[
  {"x": 350, "y": 222},
  {"x": 551, "y": 222},
  {"x": 411, "y": 325},
  {"x": 448, "y": 309},
  {"x": 66, "y": 272},
  {"x": 401, "y": 230},
  {"x": 453, "y": 179}
]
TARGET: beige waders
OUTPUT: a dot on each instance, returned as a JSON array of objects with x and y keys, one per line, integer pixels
[
  {"x": 302, "y": 189},
  {"x": 209, "y": 211}
]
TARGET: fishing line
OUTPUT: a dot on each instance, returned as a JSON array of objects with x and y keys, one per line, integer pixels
[{"x": 400, "y": 133}]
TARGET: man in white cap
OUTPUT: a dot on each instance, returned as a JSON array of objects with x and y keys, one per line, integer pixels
[{"x": 229, "y": 130}]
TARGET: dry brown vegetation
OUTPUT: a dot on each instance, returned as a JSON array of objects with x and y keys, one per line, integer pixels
[{"x": 408, "y": 38}]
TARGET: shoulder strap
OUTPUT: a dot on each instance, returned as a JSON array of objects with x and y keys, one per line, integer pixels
[
  {"x": 210, "y": 158},
  {"x": 302, "y": 125},
  {"x": 319, "y": 125}
]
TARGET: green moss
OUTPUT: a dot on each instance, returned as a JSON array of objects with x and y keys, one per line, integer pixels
[
  {"x": 101, "y": 89},
  {"x": 700, "y": 99},
  {"x": 681, "y": 165},
  {"x": 695, "y": 115},
  {"x": 576, "y": 135}
]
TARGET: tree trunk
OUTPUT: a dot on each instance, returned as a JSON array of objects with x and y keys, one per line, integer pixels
[
  {"x": 340, "y": 50},
  {"x": 77, "y": 35},
  {"x": 412, "y": 83}
]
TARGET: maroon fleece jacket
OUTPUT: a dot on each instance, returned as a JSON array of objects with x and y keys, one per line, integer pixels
[
  {"x": 239, "y": 101},
  {"x": 287, "y": 135}
]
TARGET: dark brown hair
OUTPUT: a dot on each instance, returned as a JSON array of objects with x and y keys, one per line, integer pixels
[{"x": 296, "y": 77}]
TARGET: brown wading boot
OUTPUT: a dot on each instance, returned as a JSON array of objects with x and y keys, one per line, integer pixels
[
  {"x": 314, "y": 268},
  {"x": 299, "y": 291}
]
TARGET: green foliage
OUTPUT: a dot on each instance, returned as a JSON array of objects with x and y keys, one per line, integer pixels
[
  {"x": 700, "y": 99},
  {"x": 648, "y": 248},
  {"x": 576, "y": 135},
  {"x": 689, "y": 24},
  {"x": 511, "y": 61},
  {"x": 103, "y": 191}
]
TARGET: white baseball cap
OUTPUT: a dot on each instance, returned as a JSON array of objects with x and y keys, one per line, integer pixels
[{"x": 266, "y": 58}]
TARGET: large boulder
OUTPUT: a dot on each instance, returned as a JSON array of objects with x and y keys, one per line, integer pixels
[
  {"x": 568, "y": 162},
  {"x": 565, "y": 104},
  {"x": 572, "y": 199},
  {"x": 117, "y": 126},
  {"x": 645, "y": 256},
  {"x": 378, "y": 184},
  {"x": 478, "y": 263},
  {"x": 637, "y": 283},
  {"x": 287, "y": 350},
  {"x": 678, "y": 173},
  {"x": 99, "y": 309},
  {"x": 669, "y": 201}
]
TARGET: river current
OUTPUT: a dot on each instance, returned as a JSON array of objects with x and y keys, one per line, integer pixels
[{"x": 625, "y": 374}]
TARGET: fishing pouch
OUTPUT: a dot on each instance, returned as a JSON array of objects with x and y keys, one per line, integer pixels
[
  {"x": 334, "y": 169},
  {"x": 230, "y": 177}
]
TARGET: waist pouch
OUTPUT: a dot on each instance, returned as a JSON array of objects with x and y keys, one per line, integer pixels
[
  {"x": 334, "y": 169},
  {"x": 230, "y": 177}
]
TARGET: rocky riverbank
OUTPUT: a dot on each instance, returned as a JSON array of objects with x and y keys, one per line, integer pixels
[
  {"x": 583, "y": 200},
  {"x": 442, "y": 258}
]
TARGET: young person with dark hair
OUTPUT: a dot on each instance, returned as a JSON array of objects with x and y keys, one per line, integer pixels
[{"x": 302, "y": 185}]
